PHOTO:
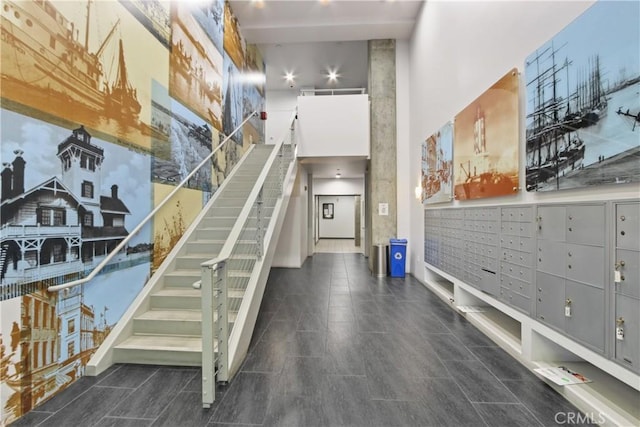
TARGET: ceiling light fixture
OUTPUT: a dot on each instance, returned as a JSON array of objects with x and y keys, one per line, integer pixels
[
  {"x": 258, "y": 3},
  {"x": 338, "y": 174},
  {"x": 289, "y": 77},
  {"x": 333, "y": 76}
]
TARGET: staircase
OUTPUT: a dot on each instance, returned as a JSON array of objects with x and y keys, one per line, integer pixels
[{"x": 164, "y": 324}]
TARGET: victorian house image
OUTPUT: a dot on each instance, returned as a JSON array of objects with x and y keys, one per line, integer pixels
[
  {"x": 63, "y": 226},
  {"x": 53, "y": 233}
]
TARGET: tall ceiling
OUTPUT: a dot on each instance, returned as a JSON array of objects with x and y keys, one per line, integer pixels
[{"x": 308, "y": 38}]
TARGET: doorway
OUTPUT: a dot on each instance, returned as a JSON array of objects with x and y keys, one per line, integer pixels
[{"x": 337, "y": 223}]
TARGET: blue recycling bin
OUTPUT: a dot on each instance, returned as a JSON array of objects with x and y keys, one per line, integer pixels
[{"x": 398, "y": 253}]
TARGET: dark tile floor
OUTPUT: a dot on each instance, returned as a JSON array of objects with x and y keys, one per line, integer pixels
[{"x": 333, "y": 346}]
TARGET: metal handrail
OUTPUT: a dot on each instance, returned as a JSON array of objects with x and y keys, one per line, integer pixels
[
  {"x": 225, "y": 252},
  {"x": 151, "y": 214},
  {"x": 215, "y": 271},
  {"x": 350, "y": 91}
]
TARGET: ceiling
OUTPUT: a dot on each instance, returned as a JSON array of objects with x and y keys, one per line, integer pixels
[{"x": 308, "y": 38}]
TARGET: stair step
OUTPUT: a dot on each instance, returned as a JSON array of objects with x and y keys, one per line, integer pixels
[
  {"x": 210, "y": 233},
  {"x": 236, "y": 262},
  {"x": 214, "y": 246},
  {"x": 221, "y": 222},
  {"x": 170, "y": 322},
  {"x": 186, "y": 278},
  {"x": 160, "y": 350},
  {"x": 177, "y": 298},
  {"x": 184, "y": 298}
]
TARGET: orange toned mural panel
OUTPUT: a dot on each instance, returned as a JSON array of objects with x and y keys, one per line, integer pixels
[
  {"x": 233, "y": 43},
  {"x": 69, "y": 64},
  {"x": 486, "y": 140}
]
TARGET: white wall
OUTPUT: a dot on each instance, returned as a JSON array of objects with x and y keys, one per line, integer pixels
[
  {"x": 336, "y": 125},
  {"x": 342, "y": 226},
  {"x": 280, "y": 105},
  {"x": 457, "y": 51},
  {"x": 404, "y": 182},
  {"x": 350, "y": 186},
  {"x": 292, "y": 249}
]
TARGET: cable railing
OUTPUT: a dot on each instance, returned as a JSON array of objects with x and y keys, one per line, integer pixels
[
  {"x": 220, "y": 276},
  {"x": 151, "y": 214}
]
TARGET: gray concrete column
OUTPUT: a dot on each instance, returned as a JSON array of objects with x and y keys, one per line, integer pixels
[{"x": 382, "y": 188}]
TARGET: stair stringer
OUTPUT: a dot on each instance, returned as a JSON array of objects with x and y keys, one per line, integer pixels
[
  {"x": 102, "y": 359},
  {"x": 240, "y": 336}
]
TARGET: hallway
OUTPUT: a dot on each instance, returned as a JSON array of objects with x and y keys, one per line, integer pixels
[{"x": 333, "y": 346}]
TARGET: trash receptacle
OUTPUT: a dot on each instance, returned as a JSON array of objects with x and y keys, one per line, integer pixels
[
  {"x": 379, "y": 259},
  {"x": 397, "y": 258}
]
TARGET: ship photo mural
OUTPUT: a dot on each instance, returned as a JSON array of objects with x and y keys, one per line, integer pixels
[
  {"x": 583, "y": 102},
  {"x": 68, "y": 199},
  {"x": 437, "y": 166},
  {"x": 96, "y": 131},
  {"x": 196, "y": 66},
  {"x": 485, "y": 143},
  {"x": 73, "y": 62}
]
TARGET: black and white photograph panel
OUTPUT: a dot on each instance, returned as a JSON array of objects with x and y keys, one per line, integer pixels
[
  {"x": 68, "y": 199},
  {"x": 253, "y": 101},
  {"x": 232, "y": 95},
  {"x": 189, "y": 142},
  {"x": 583, "y": 102},
  {"x": 210, "y": 16}
]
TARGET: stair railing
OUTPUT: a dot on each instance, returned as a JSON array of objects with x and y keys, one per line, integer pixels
[
  {"x": 215, "y": 272},
  {"x": 151, "y": 214}
]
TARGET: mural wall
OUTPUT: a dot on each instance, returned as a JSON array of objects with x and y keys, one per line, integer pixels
[
  {"x": 106, "y": 107},
  {"x": 583, "y": 108}
]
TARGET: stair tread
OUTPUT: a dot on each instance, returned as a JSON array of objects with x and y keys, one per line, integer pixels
[
  {"x": 178, "y": 292},
  {"x": 194, "y": 293},
  {"x": 210, "y": 256},
  {"x": 162, "y": 342},
  {"x": 197, "y": 274},
  {"x": 183, "y": 315}
]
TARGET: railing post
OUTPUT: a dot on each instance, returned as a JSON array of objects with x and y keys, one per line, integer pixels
[
  {"x": 209, "y": 304},
  {"x": 259, "y": 221},
  {"x": 281, "y": 171},
  {"x": 223, "y": 323}
]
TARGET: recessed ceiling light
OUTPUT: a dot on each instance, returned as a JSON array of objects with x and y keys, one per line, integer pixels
[
  {"x": 289, "y": 76},
  {"x": 258, "y": 3},
  {"x": 324, "y": 2},
  {"x": 333, "y": 76}
]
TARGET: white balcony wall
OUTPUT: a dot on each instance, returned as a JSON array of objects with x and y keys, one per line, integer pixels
[{"x": 333, "y": 125}]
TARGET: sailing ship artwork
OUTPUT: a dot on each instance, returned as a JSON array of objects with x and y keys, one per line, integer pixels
[
  {"x": 437, "y": 166},
  {"x": 195, "y": 69},
  {"x": 583, "y": 102},
  {"x": 71, "y": 62},
  {"x": 485, "y": 143}
]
